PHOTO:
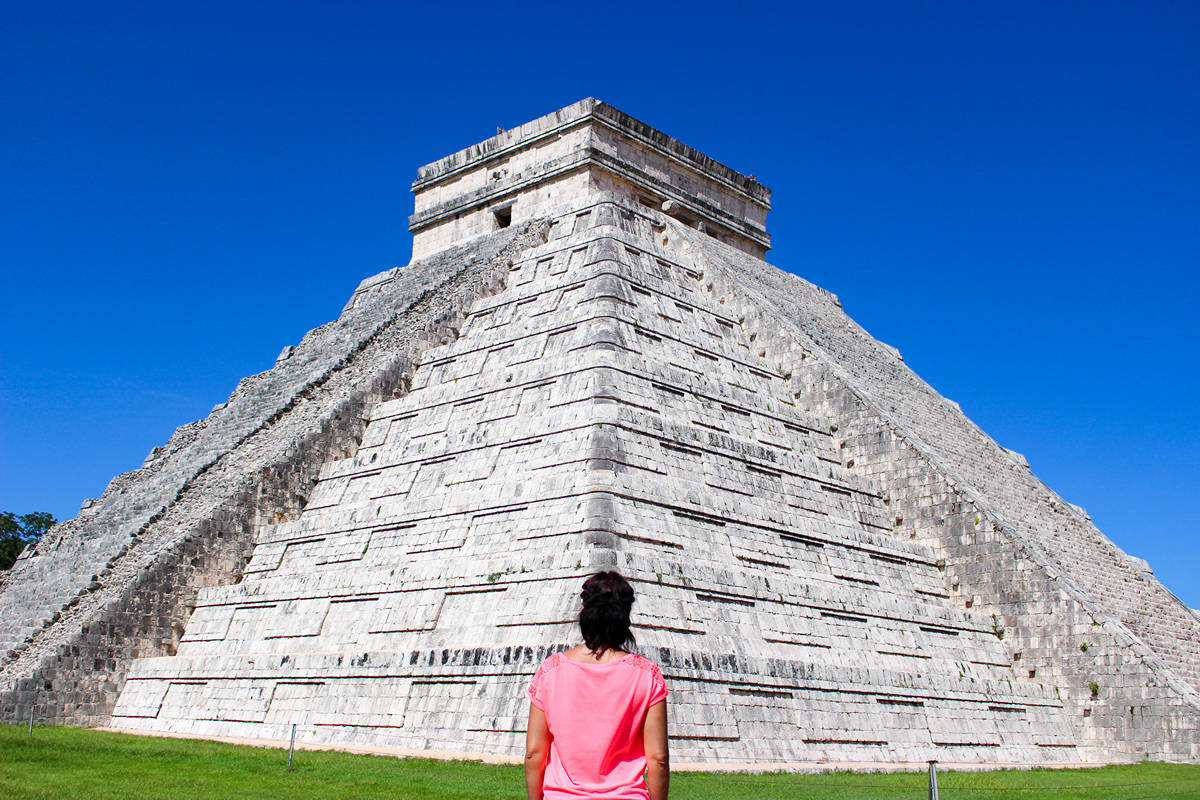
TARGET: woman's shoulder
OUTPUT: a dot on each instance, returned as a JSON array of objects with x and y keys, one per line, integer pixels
[
  {"x": 655, "y": 685},
  {"x": 542, "y": 682},
  {"x": 642, "y": 663},
  {"x": 551, "y": 663},
  {"x": 632, "y": 660}
]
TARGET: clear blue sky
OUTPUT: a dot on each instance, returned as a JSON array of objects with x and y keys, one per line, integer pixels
[{"x": 1009, "y": 193}]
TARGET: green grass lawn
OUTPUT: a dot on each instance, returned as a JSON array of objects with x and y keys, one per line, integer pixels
[{"x": 75, "y": 763}]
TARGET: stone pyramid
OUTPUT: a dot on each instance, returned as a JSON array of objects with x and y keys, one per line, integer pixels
[{"x": 589, "y": 365}]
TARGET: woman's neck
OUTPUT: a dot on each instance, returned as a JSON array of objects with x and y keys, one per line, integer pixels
[{"x": 582, "y": 654}]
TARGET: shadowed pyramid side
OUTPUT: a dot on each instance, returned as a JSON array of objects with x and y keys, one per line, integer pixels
[{"x": 1080, "y": 614}]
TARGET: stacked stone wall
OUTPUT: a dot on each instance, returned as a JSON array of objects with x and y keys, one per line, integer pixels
[
  {"x": 1075, "y": 612},
  {"x": 119, "y": 581}
]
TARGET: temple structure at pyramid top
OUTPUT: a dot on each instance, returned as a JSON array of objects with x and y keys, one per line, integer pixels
[
  {"x": 527, "y": 172},
  {"x": 589, "y": 365}
]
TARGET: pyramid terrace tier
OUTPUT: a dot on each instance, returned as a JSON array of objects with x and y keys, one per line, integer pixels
[
  {"x": 471, "y": 698},
  {"x": 825, "y": 587}
]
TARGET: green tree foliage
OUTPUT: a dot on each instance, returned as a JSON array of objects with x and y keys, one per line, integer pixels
[{"x": 18, "y": 531}]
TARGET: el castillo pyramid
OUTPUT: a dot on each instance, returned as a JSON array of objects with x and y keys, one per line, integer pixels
[{"x": 589, "y": 365}]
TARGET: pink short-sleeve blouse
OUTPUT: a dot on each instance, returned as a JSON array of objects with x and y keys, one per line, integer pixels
[{"x": 595, "y": 714}]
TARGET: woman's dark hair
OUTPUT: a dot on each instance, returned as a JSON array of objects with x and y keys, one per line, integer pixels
[{"x": 604, "y": 621}]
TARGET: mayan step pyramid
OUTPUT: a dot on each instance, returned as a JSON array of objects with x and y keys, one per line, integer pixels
[{"x": 589, "y": 365}]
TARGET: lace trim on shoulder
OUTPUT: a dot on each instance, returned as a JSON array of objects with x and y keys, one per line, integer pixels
[
  {"x": 535, "y": 684},
  {"x": 552, "y": 662},
  {"x": 642, "y": 663},
  {"x": 658, "y": 685}
]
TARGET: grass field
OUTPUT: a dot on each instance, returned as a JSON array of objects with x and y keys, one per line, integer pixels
[{"x": 74, "y": 763}]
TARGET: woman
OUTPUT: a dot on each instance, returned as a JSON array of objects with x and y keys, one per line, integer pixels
[{"x": 598, "y": 713}]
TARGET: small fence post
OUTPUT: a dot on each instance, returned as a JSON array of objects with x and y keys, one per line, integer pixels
[
  {"x": 33, "y": 706},
  {"x": 291, "y": 745},
  {"x": 933, "y": 787}
]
